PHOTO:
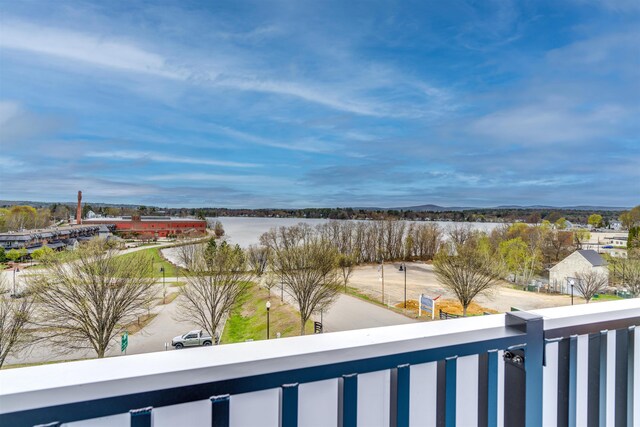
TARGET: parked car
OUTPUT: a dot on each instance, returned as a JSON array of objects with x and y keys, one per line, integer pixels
[{"x": 192, "y": 339}]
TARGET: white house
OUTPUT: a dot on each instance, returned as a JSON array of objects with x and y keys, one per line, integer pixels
[
  {"x": 578, "y": 262},
  {"x": 617, "y": 241}
]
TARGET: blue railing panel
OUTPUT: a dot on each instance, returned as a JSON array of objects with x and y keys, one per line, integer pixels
[{"x": 289, "y": 406}]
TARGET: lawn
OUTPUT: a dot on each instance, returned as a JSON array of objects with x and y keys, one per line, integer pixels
[
  {"x": 606, "y": 297},
  {"x": 157, "y": 261},
  {"x": 248, "y": 319}
]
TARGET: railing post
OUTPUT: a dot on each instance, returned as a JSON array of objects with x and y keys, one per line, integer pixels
[
  {"x": 523, "y": 372},
  {"x": 141, "y": 417},
  {"x": 220, "y": 410}
]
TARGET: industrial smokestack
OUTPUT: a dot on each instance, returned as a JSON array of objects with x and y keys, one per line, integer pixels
[{"x": 79, "y": 210}]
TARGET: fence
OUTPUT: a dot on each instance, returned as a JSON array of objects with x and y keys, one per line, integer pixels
[
  {"x": 569, "y": 366},
  {"x": 444, "y": 315}
]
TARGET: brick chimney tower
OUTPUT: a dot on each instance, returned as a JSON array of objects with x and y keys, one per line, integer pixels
[{"x": 79, "y": 210}]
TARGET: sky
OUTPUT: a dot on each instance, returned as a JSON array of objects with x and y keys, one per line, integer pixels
[{"x": 300, "y": 103}]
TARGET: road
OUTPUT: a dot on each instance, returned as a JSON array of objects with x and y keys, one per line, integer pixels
[{"x": 353, "y": 313}]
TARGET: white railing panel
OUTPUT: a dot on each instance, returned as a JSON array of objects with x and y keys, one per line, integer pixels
[
  {"x": 120, "y": 420},
  {"x": 611, "y": 379},
  {"x": 374, "y": 399},
  {"x": 192, "y": 414},
  {"x": 500, "y": 389},
  {"x": 260, "y": 408},
  {"x": 423, "y": 394},
  {"x": 318, "y": 403},
  {"x": 467, "y": 391},
  {"x": 582, "y": 371},
  {"x": 550, "y": 386},
  {"x": 636, "y": 377}
]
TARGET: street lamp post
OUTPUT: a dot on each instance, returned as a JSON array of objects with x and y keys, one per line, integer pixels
[
  {"x": 14, "y": 279},
  {"x": 405, "y": 284},
  {"x": 382, "y": 276},
  {"x": 268, "y": 307},
  {"x": 164, "y": 287},
  {"x": 281, "y": 291},
  {"x": 571, "y": 282}
]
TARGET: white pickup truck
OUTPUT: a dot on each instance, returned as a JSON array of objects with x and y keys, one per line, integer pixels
[{"x": 192, "y": 339}]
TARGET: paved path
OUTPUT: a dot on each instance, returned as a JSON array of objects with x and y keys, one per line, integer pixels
[{"x": 353, "y": 313}]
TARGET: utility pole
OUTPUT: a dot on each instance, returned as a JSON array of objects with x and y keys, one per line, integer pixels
[
  {"x": 14, "y": 279},
  {"x": 164, "y": 287},
  {"x": 405, "y": 285},
  {"x": 382, "y": 272}
]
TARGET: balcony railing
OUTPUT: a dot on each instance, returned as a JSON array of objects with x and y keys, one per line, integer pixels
[{"x": 568, "y": 366}]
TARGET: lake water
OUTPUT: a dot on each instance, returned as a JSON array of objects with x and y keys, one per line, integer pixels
[{"x": 247, "y": 231}]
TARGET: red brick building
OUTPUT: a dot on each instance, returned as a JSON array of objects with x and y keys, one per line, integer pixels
[{"x": 153, "y": 226}]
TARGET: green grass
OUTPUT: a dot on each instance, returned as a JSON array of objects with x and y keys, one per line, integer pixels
[
  {"x": 607, "y": 297},
  {"x": 157, "y": 261},
  {"x": 248, "y": 319}
]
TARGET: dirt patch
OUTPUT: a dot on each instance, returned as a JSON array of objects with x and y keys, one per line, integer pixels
[
  {"x": 142, "y": 321},
  {"x": 449, "y": 306}
]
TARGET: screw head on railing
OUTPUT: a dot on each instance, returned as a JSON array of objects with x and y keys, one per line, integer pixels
[{"x": 518, "y": 360}]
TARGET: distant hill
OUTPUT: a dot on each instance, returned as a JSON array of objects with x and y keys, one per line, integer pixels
[
  {"x": 574, "y": 208},
  {"x": 433, "y": 208},
  {"x": 418, "y": 208}
]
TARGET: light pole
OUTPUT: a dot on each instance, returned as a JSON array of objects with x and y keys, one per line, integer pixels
[
  {"x": 164, "y": 287},
  {"x": 281, "y": 291},
  {"x": 404, "y": 267},
  {"x": 571, "y": 282},
  {"x": 382, "y": 277},
  {"x": 268, "y": 307},
  {"x": 14, "y": 279}
]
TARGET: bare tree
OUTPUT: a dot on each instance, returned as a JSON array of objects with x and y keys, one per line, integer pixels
[
  {"x": 467, "y": 271},
  {"x": 218, "y": 278},
  {"x": 590, "y": 282},
  {"x": 459, "y": 234},
  {"x": 187, "y": 254},
  {"x": 347, "y": 264},
  {"x": 270, "y": 280},
  {"x": 626, "y": 272},
  {"x": 15, "y": 315},
  {"x": 258, "y": 258},
  {"x": 309, "y": 272},
  {"x": 87, "y": 303}
]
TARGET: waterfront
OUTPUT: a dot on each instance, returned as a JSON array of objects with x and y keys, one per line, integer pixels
[{"x": 246, "y": 231}]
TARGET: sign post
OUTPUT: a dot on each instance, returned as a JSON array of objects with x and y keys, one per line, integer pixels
[
  {"x": 124, "y": 343},
  {"x": 427, "y": 304}
]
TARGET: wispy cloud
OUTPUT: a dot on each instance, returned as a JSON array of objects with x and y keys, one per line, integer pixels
[
  {"x": 164, "y": 158},
  {"x": 222, "y": 71},
  {"x": 87, "y": 48}
]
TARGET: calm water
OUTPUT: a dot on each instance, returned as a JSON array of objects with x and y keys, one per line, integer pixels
[{"x": 247, "y": 231}]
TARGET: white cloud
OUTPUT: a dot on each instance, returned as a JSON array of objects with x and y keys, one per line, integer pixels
[
  {"x": 83, "y": 47},
  {"x": 208, "y": 178},
  {"x": 141, "y": 155},
  {"x": 548, "y": 123},
  {"x": 224, "y": 67}
]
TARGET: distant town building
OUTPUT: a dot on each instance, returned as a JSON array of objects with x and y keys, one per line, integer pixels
[
  {"x": 617, "y": 241},
  {"x": 153, "y": 226},
  {"x": 56, "y": 238},
  {"x": 578, "y": 262},
  {"x": 615, "y": 225}
]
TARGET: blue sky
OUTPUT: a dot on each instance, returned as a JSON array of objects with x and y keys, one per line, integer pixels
[{"x": 321, "y": 103}]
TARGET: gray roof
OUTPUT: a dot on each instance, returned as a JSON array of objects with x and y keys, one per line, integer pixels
[{"x": 593, "y": 257}]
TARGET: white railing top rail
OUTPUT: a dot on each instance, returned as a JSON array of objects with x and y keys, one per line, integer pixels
[{"x": 58, "y": 384}]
